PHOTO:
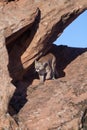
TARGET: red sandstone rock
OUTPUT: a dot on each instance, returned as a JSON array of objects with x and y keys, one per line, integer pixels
[
  {"x": 58, "y": 104},
  {"x": 27, "y": 30},
  {"x": 48, "y": 26}
]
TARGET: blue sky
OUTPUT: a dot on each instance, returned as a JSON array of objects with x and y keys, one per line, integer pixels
[{"x": 75, "y": 35}]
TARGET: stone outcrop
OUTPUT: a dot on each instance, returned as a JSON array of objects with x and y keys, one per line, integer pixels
[
  {"x": 27, "y": 30},
  {"x": 12, "y": 19},
  {"x": 6, "y": 88},
  {"x": 37, "y": 39},
  {"x": 58, "y": 104}
]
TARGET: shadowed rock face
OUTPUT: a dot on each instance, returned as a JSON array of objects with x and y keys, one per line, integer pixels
[
  {"x": 56, "y": 104},
  {"x": 27, "y": 30}
]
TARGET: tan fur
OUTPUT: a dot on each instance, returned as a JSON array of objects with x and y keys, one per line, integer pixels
[{"x": 46, "y": 67}]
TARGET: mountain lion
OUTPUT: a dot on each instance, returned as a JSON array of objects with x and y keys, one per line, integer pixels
[{"x": 46, "y": 67}]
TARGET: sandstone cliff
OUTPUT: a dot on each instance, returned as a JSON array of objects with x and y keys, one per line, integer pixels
[{"x": 27, "y": 30}]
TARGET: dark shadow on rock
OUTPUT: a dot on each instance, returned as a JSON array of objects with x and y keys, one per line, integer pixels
[
  {"x": 19, "y": 98},
  {"x": 16, "y": 46},
  {"x": 65, "y": 55}
]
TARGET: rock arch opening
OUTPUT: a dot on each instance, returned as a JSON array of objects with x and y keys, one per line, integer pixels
[{"x": 75, "y": 34}]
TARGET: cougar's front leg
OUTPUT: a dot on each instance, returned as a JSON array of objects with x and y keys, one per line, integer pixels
[{"x": 42, "y": 78}]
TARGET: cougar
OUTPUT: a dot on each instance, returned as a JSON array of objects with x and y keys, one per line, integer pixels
[{"x": 46, "y": 67}]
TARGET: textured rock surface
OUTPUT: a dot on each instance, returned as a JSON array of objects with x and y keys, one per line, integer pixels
[
  {"x": 12, "y": 19},
  {"x": 50, "y": 22},
  {"x": 6, "y": 88},
  {"x": 28, "y": 28},
  {"x": 58, "y": 104}
]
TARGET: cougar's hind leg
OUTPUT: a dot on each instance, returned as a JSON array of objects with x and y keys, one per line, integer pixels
[
  {"x": 48, "y": 76},
  {"x": 53, "y": 69}
]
